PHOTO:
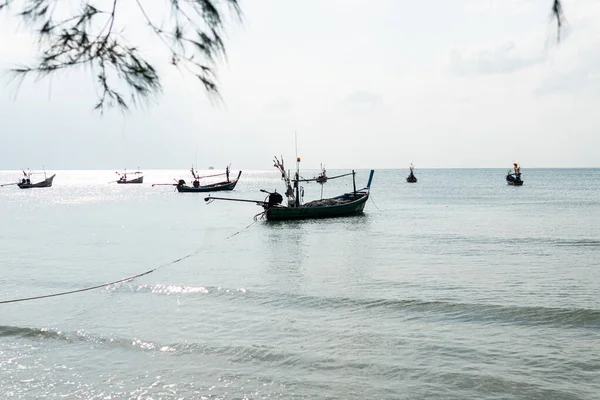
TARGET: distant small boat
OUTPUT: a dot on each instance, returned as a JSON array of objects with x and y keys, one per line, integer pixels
[
  {"x": 322, "y": 178},
  {"x": 214, "y": 187},
  {"x": 123, "y": 177},
  {"x": 347, "y": 204},
  {"x": 211, "y": 168},
  {"x": 27, "y": 183},
  {"x": 513, "y": 177},
  {"x": 196, "y": 187},
  {"x": 411, "y": 178}
]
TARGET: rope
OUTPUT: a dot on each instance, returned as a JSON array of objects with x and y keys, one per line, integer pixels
[
  {"x": 210, "y": 176},
  {"x": 373, "y": 201},
  {"x": 328, "y": 177},
  {"x": 241, "y": 230},
  {"x": 128, "y": 279}
]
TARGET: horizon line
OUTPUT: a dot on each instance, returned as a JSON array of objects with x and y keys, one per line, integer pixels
[{"x": 264, "y": 169}]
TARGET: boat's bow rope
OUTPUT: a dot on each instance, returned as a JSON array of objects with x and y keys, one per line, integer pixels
[
  {"x": 123, "y": 280},
  {"x": 373, "y": 201}
]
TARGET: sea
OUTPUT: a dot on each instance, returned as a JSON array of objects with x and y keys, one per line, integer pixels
[{"x": 456, "y": 287}]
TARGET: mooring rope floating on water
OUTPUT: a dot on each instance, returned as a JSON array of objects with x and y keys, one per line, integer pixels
[
  {"x": 373, "y": 201},
  {"x": 123, "y": 280}
]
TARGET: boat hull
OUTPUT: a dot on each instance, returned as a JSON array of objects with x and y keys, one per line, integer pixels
[
  {"x": 512, "y": 181},
  {"x": 353, "y": 207},
  {"x": 43, "y": 184},
  {"x": 136, "y": 180},
  {"x": 411, "y": 180}
]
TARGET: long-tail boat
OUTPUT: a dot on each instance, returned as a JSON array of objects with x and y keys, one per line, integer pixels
[
  {"x": 514, "y": 178},
  {"x": 344, "y": 205},
  {"x": 411, "y": 178},
  {"x": 196, "y": 187},
  {"x": 322, "y": 178},
  {"x": 139, "y": 177},
  {"x": 27, "y": 183}
]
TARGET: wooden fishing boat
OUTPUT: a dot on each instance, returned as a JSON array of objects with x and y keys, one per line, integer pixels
[
  {"x": 213, "y": 187},
  {"x": 196, "y": 187},
  {"x": 513, "y": 178},
  {"x": 123, "y": 177},
  {"x": 411, "y": 178},
  {"x": 347, "y": 204},
  {"x": 27, "y": 183},
  {"x": 322, "y": 178}
]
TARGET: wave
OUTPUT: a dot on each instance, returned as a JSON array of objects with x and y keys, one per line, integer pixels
[
  {"x": 402, "y": 308},
  {"x": 247, "y": 354},
  {"x": 255, "y": 353},
  {"x": 30, "y": 333},
  {"x": 79, "y": 336},
  {"x": 468, "y": 312},
  {"x": 171, "y": 289},
  {"x": 510, "y": 241}
]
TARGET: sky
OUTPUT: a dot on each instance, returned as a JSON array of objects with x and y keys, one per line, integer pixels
[{"x": 361, "y": 83}]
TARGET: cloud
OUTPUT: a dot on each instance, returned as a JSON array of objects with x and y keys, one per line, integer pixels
[
  {"x": 503, "y": 6},
  {"x": 504, "y": 59},
  {"x": 362, "y": 99},
  {"x": 576, "y": 68},
  {"x": 280, "y": 105}
]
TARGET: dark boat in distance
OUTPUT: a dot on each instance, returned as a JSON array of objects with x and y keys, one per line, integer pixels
[
  {"x": 123, "y": 177},
  {"x": 226, "y": 185},
  {"x": 27, "y": 183},
  {"x": 347, "y": 204},
  {"x": 513, "y": 178},
  {"x": 213, "y": 187},
  {"x": 411, "y": 178},
  {"x": 322, "y": 178}
]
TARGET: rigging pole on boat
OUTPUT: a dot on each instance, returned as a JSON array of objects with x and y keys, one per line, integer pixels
[
  {"x": 322, "y": 191},
  {"x": 297, "y": 179}
]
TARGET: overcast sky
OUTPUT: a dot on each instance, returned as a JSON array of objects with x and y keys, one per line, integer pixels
[{"x": 364, "y": 83}]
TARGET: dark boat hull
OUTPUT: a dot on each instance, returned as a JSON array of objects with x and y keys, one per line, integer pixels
[
  {"x": 43, "y": 184},
  {"x": 411, "y": 180},
  {"x": 136, "y": 180},
  {"x": 512, "y": 181},
  {"x": 353, "y": 207},
  {"x": 215, "y": 187}
]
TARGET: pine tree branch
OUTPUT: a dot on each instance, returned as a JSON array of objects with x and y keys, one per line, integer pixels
[
  {"x": 90, "y": 38},
  {"x": 559, "y": 16}
]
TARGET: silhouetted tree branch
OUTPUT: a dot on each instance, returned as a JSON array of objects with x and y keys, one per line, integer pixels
[
  {"x": 559, "y": 16},
  {"x": 192, "y": 35}
]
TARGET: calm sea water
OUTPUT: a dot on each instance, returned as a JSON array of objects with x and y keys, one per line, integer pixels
[{"x": 457, "y": 287}]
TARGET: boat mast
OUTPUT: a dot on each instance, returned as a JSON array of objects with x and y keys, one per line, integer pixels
[
  {"x": 354, "y": 181},
  {"x": 297, "y": 177}
]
